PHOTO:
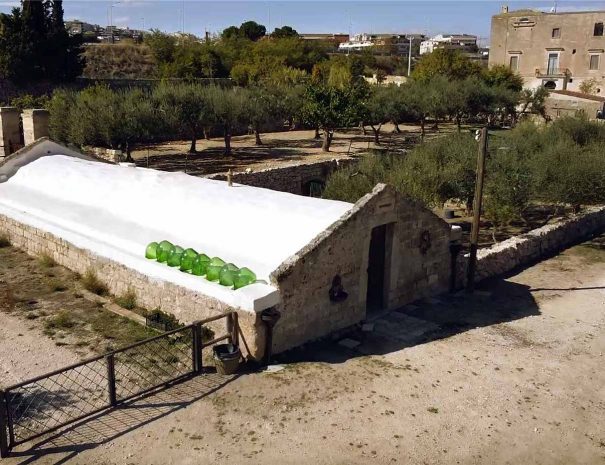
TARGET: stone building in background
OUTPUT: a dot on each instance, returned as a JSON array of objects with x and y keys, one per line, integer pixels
[{"x": 556, "y": 50}]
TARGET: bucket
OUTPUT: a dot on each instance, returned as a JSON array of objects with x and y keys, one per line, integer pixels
[{"x": 226, "y": 358}]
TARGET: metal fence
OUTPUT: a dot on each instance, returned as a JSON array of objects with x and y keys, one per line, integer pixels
[{"x": 46, "y": 403}]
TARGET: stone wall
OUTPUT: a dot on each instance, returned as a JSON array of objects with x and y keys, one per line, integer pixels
[
  {"x": 35, "y": 125},
  {"x": 528, "y": 248},
  {"x": 294, "y": 178},
  {"x": 411, "y": 272},
  {"x": 10, "y": 132},
  {"x": 184, "y": 303}
]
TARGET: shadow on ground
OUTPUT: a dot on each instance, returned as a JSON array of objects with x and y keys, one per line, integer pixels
[
  {"x": 497, "y": 301},
  {"x": 63, "y": 445}
]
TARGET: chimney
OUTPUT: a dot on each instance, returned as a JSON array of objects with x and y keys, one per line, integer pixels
[{"x": 504, "y": 9}]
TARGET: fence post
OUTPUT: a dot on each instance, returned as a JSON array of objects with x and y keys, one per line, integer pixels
[
  {"x": 4, "y": 448},
  {"x": 232, "y": 328},
  {"x": 196, "y": 347},
  {"x": 111, "y": 379}
]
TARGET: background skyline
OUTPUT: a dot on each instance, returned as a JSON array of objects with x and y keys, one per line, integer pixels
[{"x": 428, "y": 17}]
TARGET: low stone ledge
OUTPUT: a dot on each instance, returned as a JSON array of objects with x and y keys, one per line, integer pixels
[{"x": 536, "y": 244}]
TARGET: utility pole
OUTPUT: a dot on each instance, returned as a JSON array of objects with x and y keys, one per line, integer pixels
[
  {"x": 410, "y": 58},
  {"x": 472, "y": 263}
]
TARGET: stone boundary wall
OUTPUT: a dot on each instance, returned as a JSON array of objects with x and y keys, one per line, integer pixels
[
  {"x": 293, "y": 178},
  {"x": 185, "y": 304},
  {"x": 110, "y": 155},
  {"x": 539, "y": 243}
]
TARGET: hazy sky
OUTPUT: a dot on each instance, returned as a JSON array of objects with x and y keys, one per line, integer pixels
[{"x": 427, "y": 16}]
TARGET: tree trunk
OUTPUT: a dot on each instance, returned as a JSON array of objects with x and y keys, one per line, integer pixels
[
  {"x": 227, "y": 137},
  {"x": 397, "y": 129},
  {"x": 376, "y": 134},
  {"x": 459, "y": 122},
  {"x": 362, "y": 127},
  {"x": 257, "y": 139},
  {"x": 327, "y": 140},
  {"x": 206, "y": 133},
  {"x": 193, "y": 148},
  {"x": 317, "y": 135},
  {"x": 422, "y": 129}
]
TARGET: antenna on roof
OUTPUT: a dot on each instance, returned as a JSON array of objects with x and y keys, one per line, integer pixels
[{"x": 554, "y": 8}]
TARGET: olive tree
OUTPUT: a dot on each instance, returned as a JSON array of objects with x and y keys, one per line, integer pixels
[
  {"x": 228, "y": 108},
  {"x": 328, "y": 108},
  {"x": 185, "y": 106}
]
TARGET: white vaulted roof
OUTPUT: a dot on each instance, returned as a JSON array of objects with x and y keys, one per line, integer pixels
[{"x": 115, "y": 211}]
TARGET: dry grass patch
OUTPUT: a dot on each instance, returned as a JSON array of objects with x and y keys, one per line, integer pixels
[
  {"x": 4, "y": 241},
  {"x": 92, "y": 283},
  {"x": 127, "y": 300}
]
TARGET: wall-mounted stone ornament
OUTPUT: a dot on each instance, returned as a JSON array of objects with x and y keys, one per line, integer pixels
[
  {"x": 425, "y": 241},
  {"x": 337, "y": 292}
]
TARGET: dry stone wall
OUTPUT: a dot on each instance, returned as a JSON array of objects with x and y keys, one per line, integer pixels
[
  {"x": 294, "y": 179},
  {"x": 528, "y": 248},
  {"x": 187, "y": 305}
]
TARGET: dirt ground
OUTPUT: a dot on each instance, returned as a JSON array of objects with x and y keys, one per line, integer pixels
[
  {"x": 278, "y": 149},
  {"x": 513, "y": 374}
]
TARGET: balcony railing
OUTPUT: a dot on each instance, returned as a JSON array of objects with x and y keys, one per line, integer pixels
[{"x": 552, "y": 72}]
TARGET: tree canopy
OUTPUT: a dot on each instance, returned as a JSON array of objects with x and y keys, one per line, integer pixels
[{"x": 34, "y": 44}]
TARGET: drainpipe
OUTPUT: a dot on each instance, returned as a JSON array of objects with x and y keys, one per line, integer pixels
[{"x": 270, "y": 317}]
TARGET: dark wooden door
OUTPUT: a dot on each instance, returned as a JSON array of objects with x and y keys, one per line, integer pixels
[{"x": 376, "y": 263}]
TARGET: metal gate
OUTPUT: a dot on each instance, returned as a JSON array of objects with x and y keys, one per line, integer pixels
[{"x": 48, "y": 402}]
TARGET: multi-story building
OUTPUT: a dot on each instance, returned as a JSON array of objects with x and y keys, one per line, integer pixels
[
  {"x": 555, "y": 50},
  {"x": 391, "y": 44},
  {"x": 463, "y": 42}
]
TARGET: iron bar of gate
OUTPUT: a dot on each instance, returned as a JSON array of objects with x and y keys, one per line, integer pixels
[
  {"x": 4, "y": 433},
  {"x": 7, "y": 437}
]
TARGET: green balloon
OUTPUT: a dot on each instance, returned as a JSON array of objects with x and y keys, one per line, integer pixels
[
  {"x": 189, "y": 256},
  {"x": 247, "y": 272},
  {"x": 151, "y": 251},
  {"x": 216, "y": 261}
]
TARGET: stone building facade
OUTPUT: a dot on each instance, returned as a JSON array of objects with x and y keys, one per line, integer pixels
[
  {"x": 555, "y": 50},
  {"x": 413, "y": 248}
]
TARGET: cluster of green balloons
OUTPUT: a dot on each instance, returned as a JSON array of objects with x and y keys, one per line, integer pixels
[{"x": 199, "y": 264}]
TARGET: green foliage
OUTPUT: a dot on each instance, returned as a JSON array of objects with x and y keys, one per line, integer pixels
[
  {"x": 589, "y": 86},
  {"x": 250, "y": 30},
  {"x": 501, "y": 75},
  {"x": 352, "y": 183},
  {"x": 562, "y": 163},
  {"x": 439, "y": 170},
  {"x": 445, "y": 62},
  {"x": 185, "y": 106},
  {"x": 328, "y": 108},
  {"x": 228, "y": 110},
  {"x": 60, "y": 106},
  {"x": 283, "y": 32},
  {"x": 128, "y": 300},
  {"x": 35, "y": 46},
  {"x": 162, "y": 45},
  {"x": 24, "y": 101}
]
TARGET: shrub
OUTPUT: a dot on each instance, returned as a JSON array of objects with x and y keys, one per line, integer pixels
[
  {"x": 353, "y": 182},
  {"x": 47, "y": 261},
  {"x": 61, "y": 320},
  {"x": 440, "y": 170},
  {"x": 91, "y": 283},
  {"x": 127, "y": 300}
]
